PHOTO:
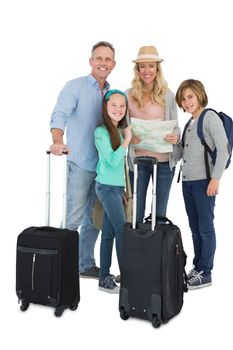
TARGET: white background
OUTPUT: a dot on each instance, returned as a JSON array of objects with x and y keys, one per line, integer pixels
[{"x": 43, "y": 45}]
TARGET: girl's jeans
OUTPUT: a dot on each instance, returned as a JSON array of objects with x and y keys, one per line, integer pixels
[{"x": 111, "y": 198}]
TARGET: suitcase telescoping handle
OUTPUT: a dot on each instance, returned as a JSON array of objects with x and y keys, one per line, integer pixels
[
  {"x": 154, "y": 162},
  {"x": 48, "y": 177}
]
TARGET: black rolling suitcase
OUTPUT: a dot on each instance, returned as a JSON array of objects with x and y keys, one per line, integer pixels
[
  {"x": 47, "y": 262},
  {"x": 153, "y": 277}
]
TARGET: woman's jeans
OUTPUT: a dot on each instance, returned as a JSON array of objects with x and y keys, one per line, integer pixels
[
  {"x": 200, "y": 211},
  {"x": 164, "y": 180},
  {"x": 111, "y": 198},
  {"x": 81, "y": 198}
]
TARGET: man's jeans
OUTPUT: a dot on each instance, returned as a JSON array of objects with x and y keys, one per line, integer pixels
[
  {"x": 164, "y": 180},
  {"x": 81, "y": 198},
  {"x": 200, "y": 211},
  {"x": 111, "y": 198}
]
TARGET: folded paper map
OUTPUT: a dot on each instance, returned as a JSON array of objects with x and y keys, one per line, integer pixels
[{"x": 152, "y": 133}]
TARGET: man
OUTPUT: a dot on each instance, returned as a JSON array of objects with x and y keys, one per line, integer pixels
[{"x": 79, "y": 110}]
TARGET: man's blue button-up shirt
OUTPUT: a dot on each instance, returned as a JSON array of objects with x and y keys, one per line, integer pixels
[{"x": 79, "y": 110}]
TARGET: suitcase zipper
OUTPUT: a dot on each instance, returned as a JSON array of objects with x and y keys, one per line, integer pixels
[
  {"x": 33, "y": 268},
  {"x": 36, "y": 251},
  {"x": 177, "y": 269}
]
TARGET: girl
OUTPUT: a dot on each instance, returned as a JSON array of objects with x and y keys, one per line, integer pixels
[
  {"x": 110, "y": 183},
  {"x": 198, "y": 192},
  {"x": 150, "y": 99}
]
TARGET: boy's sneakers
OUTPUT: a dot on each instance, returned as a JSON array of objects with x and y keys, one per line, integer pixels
[
  {"x": 93, "y": 272},
  {"x": 199, "y": 281},
  {"x": 191, "y": 273},
  {"x": 108, "y": 285}
]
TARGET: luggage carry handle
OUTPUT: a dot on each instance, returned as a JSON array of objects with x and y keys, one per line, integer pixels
[
  {"x": 154, "y": 162},
  {"x": 47, "y": 213},
  {"x": 164, "y": 219}
]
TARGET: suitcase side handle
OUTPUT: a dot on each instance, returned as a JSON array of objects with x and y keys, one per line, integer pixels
[{"x": 47, "y": 211}]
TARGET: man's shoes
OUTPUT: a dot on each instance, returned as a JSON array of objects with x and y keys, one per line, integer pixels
[
  {"x": 199, "y": 281},
  {"x": 93, "y": 272},
  {"x": 118, "y": 279},
  {"x": 108, "y": 285}
]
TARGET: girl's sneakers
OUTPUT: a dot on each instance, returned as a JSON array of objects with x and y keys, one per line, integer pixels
[{"x": 108, "y": 285}]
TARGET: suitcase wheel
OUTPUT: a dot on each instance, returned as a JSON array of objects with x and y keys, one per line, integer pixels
[
  {"x": 73, "y": 307},
  {"x": 123, "y": 314},
  {"x": 155, "y": 321},
  {"x": 74, "y": 304},
  {"x": 24, "y": 305},
  {"x": 59, "y": 310}
]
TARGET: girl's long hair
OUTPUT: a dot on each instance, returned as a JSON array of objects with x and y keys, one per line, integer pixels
[
  {"x": 112, "y": 130},
  {"x": 159, "y": 89}
]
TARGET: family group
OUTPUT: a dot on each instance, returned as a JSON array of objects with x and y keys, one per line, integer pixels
[{"x": 98, "y": 122}]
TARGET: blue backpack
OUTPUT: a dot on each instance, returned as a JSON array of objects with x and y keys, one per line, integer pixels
[{"x": 228, "y": 126}]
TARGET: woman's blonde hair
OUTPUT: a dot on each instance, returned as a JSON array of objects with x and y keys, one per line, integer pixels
[{"x": 159, "y": 89}]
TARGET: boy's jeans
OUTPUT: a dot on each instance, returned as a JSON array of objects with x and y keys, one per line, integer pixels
[{"x": 200, "y": 211}]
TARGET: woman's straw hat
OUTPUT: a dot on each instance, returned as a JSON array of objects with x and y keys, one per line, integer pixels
[{"x": 148, "y": 54}]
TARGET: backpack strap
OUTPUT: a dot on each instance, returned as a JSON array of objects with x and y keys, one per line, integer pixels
[{"x": 207, "y": 149}]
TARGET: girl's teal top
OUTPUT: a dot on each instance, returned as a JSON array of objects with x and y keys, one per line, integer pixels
[{"x": 110, "y": 167}]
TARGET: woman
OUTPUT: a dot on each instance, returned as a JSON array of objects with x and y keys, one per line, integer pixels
[{"x": 151, "y": 100}]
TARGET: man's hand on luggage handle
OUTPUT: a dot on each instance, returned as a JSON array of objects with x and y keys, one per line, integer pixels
[{"x": 58, "y": 148}]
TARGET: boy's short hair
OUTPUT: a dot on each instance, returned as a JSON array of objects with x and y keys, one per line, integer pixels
[{"x": 197, "y": 87}]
